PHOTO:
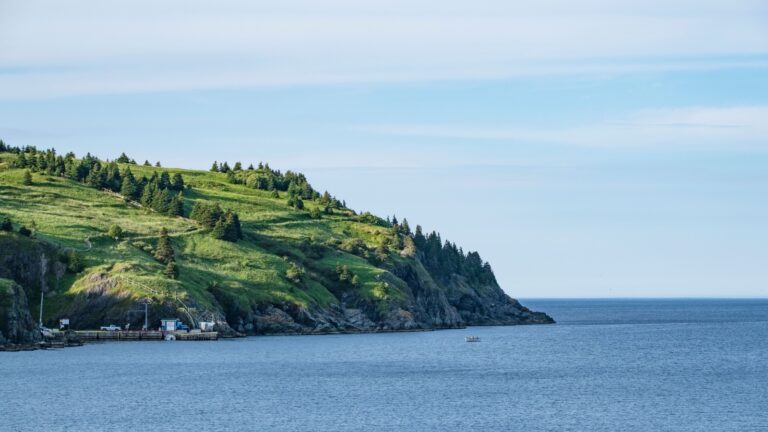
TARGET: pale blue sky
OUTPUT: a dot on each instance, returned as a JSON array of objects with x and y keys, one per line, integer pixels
[{"x": 609, "y": 149}]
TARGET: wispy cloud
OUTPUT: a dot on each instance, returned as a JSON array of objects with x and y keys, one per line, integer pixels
[
  {"x": 731, "y": 127},
  {"x": 91, "y": 47}
]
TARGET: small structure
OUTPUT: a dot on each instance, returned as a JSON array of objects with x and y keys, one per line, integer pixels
[
  {"x": 172, "y": 325},
  {"x": 206, "y": 326},
  {"x": 64, "y": 324}
]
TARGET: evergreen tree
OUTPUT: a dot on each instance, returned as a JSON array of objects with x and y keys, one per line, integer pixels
[
  {"x": 123, "y": 159},
  {"x": 146, "y": 163},
  {"x": 27, "y": 178},
  {"x": 250, "y": 167},
  {"x": 165, "y": 180},
  {"x": 215, "y": 167},
  {"x": 171, "y": 270},
  {"x": 238, "y": 166},
  {"x": 177, "y": 206},
  {"x": 177, "y": 183},
  {"x": 224, "y": 168},
  {"x": 6, "y": 224},
  {"x": 128, "y": 188},
  {"x": 164, "y": 251},
  {"x": 157, "y": 164},
  {"x": 219, "y": 230}
]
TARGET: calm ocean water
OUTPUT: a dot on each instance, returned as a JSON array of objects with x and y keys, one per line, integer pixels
[{"x": 614, "y": 365}]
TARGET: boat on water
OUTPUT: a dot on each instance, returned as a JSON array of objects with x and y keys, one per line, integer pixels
[{"x": 472, "y": 338}]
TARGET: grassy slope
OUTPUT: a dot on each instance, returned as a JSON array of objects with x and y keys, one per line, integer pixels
[{"x": 252, "y": 271}]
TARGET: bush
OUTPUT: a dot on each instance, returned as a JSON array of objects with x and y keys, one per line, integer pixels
[
  {"x": 25, "y": 231},
  {"x": 5, "y": 224},
  {"x": 115, "y": 232},
  {"x": 295, "y": 273}
]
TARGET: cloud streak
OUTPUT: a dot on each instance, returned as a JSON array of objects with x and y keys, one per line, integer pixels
[
  {"x": 691, "y": 127},
  {"x": 93, "y": 47}
]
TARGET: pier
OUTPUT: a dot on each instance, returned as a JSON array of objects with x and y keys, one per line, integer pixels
[{"x": 137, "y": 335}]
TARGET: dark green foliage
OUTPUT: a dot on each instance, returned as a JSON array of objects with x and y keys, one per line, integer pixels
[
  {"x": 315, "y": 213},
  {"x": 27, "y": 179},
  {"x": 6, "y": 224},
  {"x": 123, "y": 159},
  {"x": 238, "y": 166},
  {"x": 26, "y": 232},
  {"x": 115, "y": 232},
  {"x": 164, "y": 251},
  {"x": 146, "y": 163},
  {"x": 215, "y": 167},
  {"x": 177, "y": 183},
  {"x": 223, "y": 225},
  {"x": 73, "y": 261},
  {"x": 129, "y": 189},
  {"x": 206, "y": 214},
  {"x": 171, "y": 270}
]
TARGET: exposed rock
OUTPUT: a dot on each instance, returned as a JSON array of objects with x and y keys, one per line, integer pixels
[{"x": 16, "y": 323}]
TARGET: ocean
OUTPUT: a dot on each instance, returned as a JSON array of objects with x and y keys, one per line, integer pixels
[{"x": 608, "y": 365}]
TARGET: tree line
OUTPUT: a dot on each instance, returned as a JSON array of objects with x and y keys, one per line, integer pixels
[{"x": 162, "y": 193}]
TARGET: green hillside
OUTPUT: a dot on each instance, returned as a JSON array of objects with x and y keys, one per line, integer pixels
[{"x": 302, "y": 262}]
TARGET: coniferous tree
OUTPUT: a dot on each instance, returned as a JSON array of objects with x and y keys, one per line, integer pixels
[
  {"x": 164, "y": 251},
  {"x": 6, "y": 224},
  {"x": 146, "y": 163},
  {"x": 128, "y": 188},
  {"x": 224, "y": 167},
  {"x": 123, "y": 158},
  {"x": 177, "y": 183},
  {"x": 238, "y": 166},
  {"x": 219, "y": 230},
  {"x": 177, "y": 206},
  {"x": 215, "y": 167},
  {"x": 27, "y": 178},
  {"x": 157, "y": 164},
  {"x": 171, "y": 270}
]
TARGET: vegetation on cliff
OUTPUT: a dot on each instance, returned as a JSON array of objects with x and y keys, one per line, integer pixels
[{"x": 254, "y": 248}]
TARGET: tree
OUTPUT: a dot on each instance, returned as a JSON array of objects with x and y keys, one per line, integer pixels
[
  {"x": 157, "y": 164},
  {"x": 115, "y": 232},
  {"x": 219, "y": 230},
  {"x": 177, "y": 183},
  {"x": 128, "y": 188},
  {"x": 146, "y": 163},
  {"x": 171, "y": 270},
  {"x": 274, "y": 194},
  {"x": 238, "y": 166},
  {"x": 215, "y": 167},
  {"x": 123, "y": 158},
  {"x": 177, "y": 206},
  {"x": 224, "y": 167},
  {"x": 26, "y": 232},
  {"x": 164, "y": 251},
  {"x": 27, "y": 179},
  {"x": 6, "y": 224}
]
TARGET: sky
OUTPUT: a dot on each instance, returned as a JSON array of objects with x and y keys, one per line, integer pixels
[{"x": 600, "y": 148}]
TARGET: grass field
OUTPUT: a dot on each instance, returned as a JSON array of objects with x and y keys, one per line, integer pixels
[{"x": 251, "y": 271}]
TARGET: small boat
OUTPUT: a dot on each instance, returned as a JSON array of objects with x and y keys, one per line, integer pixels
[{"x": 472, "y": 338}]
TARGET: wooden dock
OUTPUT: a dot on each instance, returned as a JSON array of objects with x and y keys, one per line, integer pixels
[{"x": 101, "y": 335}]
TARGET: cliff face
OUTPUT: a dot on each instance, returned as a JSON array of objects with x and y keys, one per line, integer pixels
[
  {"x": 26, "y": 266},
  {"x": 16, "y": 323},
  {"x": 428, "y": 305}
]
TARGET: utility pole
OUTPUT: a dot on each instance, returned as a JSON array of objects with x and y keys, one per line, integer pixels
[{"x": 43, "y": 265}]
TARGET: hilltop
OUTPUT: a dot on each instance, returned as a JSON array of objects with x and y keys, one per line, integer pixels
[{"x": 256, "y": 250}]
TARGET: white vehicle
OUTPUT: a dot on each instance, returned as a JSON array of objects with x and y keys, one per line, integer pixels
[{"x": 111, "y": 327}]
